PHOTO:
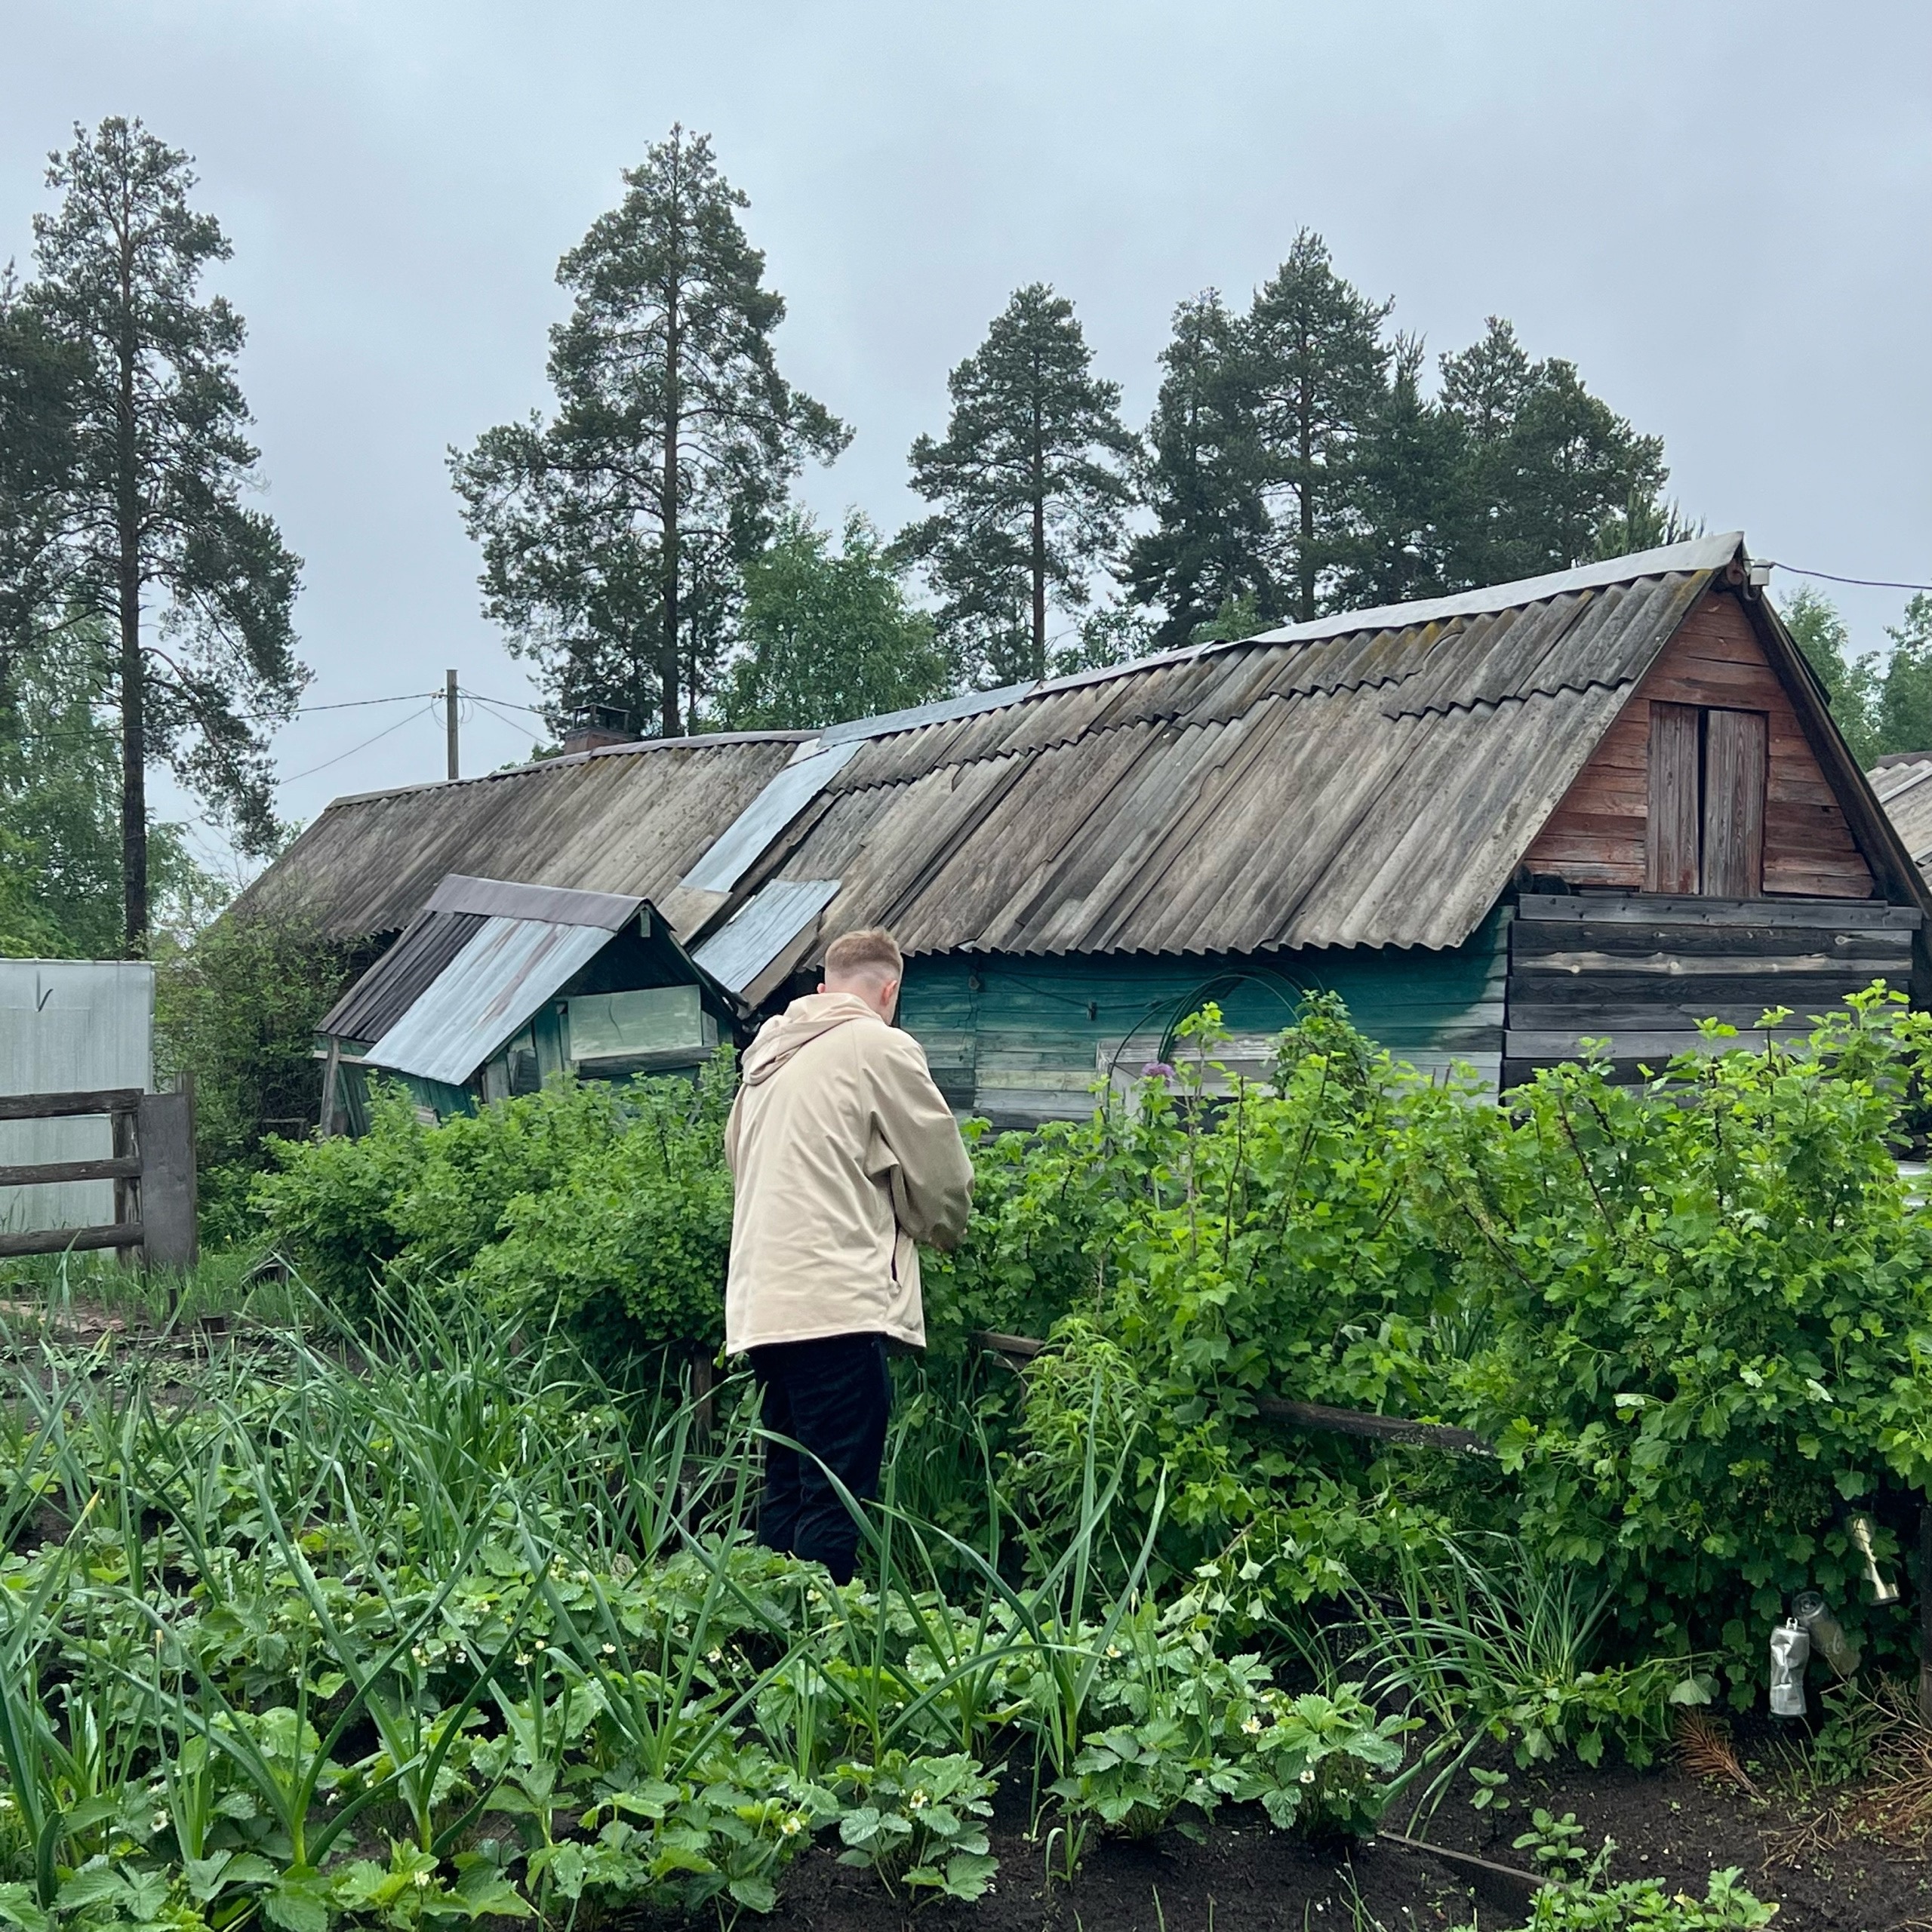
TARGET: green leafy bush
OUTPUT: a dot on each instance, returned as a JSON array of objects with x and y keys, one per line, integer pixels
[
  {"x": 607, "y": 1207},
  {"x": 1709, "y": 1304}
]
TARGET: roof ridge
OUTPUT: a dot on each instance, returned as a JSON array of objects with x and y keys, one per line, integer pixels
[{"x": 534, "y": 767}]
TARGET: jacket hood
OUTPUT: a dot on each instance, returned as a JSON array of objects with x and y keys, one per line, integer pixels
[{"x": 801, "y": 1022}]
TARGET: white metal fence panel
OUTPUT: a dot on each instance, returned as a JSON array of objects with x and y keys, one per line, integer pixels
[{"x": 69, "y": 1026}]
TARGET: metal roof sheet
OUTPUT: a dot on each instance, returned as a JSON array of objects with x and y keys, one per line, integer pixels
[
  {"x": 762, "y": 928},
  {"x": 744, "y": 840},
  {"x": 483, "y": 997},
  {"x": 393, "y": 985}
]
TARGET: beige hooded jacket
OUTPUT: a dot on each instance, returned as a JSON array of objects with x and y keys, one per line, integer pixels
[{"x": 843, "y": 1155}]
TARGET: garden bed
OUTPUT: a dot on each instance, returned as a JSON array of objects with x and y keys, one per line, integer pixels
[{"x": 1242, "y": 1877}]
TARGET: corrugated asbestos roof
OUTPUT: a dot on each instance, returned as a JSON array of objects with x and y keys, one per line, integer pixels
[
  {"x": 1903, "y": 782},
  {"x": 1370, "y": 779},
  {"x": 628, "y": 819}
]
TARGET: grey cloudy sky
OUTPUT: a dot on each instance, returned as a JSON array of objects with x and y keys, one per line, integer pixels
[{"x": 1720, "y": 211}]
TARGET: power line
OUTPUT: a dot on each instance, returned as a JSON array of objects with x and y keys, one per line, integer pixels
[
  {"x": 426, "y": 712},
  {"x": 1865, "y": 583}
]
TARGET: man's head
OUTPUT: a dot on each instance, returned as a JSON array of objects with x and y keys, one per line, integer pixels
[{"x": 867, "y": 963}]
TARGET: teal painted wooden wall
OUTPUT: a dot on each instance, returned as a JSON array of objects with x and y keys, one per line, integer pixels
[{"x": 1015, "y": 1037}]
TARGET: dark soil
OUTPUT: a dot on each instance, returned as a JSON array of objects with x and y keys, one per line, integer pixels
[{"x": 1668, "y": 1824}]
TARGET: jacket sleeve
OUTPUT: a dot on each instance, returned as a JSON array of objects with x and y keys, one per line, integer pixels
[{"x": 931, "y": 1174}]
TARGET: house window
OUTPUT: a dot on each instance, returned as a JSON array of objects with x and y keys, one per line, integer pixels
[{"x": 1706, "y": 825}]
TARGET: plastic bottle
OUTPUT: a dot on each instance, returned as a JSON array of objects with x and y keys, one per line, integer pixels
[{"x": 1791, "y": 1650}]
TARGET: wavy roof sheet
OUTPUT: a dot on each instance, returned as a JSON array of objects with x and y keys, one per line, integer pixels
[
  {"x": 628, "y": 819},
  {"x": 1903, "y": 782},
  {"x": 1370, "y": 780}
]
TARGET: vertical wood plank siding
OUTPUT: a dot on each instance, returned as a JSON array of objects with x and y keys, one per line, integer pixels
[
  {"x": 1600, "y": 834},
  {"x": 1735, "y": 753},
  {"x": 1030, "y": 1041},
  {"x": 1672, "y": 830}
]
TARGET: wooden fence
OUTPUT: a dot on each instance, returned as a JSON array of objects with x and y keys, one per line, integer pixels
[{"x": 152, "y": 1166}]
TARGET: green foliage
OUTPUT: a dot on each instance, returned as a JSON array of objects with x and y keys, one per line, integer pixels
[
  {"x": 1575, "y": 1898},
  {"x": 1488, "y": 1639},
  {"x": 1031, "y": 484},
  {"x": 828, "y": 636},
  {"x": 60, "y": 851},
  {"x": 1296, "y": 464},
  {"x": 920, "y": 1822},
  {"x": 612, "y": 535},
  {"x": 153, "y": 490},
  {"x": 1711, "y": 1300},
  {"x": 1881, "y": 707},
  {"x": 1852, "y": 685},
  {"x": 237, "y": 1009},
  {"x": 606, "y": 1208}
]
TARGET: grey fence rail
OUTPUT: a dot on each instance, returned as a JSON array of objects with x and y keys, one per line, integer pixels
[{"x": 152, "y": 1166}]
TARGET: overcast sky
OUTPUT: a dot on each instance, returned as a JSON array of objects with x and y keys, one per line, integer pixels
[{"x": 1720, "y": 211}]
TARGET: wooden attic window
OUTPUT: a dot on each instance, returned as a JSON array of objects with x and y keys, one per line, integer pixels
[{"x": 1706, "y": 832}]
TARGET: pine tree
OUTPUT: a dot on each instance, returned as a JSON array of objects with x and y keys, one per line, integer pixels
[
  {"x": 612, "y": 535},
  {"x": 148, "y": 504},
  {"x": 1207, "y": 550},
  {"x": 1408, "y": 465},
  {"x": 1548, "y": 469},
  {"x": 1315, "y": 374},
  {"x": 828, "y": 635},
  {"x": 1032, "y": 484}
]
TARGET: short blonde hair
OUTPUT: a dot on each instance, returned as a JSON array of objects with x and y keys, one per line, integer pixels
[{"x": 872, "y": 949}]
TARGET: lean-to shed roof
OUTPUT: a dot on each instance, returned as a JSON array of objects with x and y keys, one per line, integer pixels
[{"x": 626, "y": 818}]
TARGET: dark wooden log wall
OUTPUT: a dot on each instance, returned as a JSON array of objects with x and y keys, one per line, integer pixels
[
  {"x": 1597, "y": 835},
  {"x": 1643, "y": 969}
]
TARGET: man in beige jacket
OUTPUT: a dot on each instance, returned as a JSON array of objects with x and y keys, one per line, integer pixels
[{"x": 843, "y": 1155}]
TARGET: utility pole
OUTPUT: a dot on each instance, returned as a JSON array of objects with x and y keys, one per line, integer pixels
[{"x": 449, "y": 721}]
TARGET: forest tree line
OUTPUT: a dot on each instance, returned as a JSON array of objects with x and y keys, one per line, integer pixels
[{"x": 641, "y": 542}]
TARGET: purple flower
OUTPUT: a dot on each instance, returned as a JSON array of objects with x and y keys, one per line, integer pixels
[{"x": 1156, "y": 1070}]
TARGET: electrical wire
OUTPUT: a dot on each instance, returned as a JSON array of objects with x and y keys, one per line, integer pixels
[
  {"x": 426, "y": 712},
  {"x": 1865, "y": 583},
  {"x": 515, "y": 724}
]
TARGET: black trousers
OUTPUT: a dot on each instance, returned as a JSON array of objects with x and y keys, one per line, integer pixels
[{"x": 832, "y": 1397}]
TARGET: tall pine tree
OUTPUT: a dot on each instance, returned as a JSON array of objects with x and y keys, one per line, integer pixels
[
  {"x": 612, "y": 535},
  {"x": 1315, "y": 372},
  {"x": 1548, "y": 470},
  {"x": 1032, "y": 485},
  {"x": 1207, "y": 550},
  {"x": 143, "y": 528}
]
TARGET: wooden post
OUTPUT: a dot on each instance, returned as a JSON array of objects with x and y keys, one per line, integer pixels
[
  {"x": 702, "y": 1402},
  {"x": 331, "y": 1073},
  {"x": 167, "y": 1180},
  {"x": 1925, "y": 1611},
  {"x": 449, "y": 720},
  {"x": 127, "y": 1189}
]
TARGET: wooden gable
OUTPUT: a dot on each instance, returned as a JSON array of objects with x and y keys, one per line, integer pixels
[{"x": 1605, "y": 831}]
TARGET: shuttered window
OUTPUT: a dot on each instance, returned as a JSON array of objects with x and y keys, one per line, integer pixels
[{"x": 1706, "y": 832}]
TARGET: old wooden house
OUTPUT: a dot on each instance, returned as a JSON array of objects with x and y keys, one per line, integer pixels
[{"x": 1605, "y": 804}]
